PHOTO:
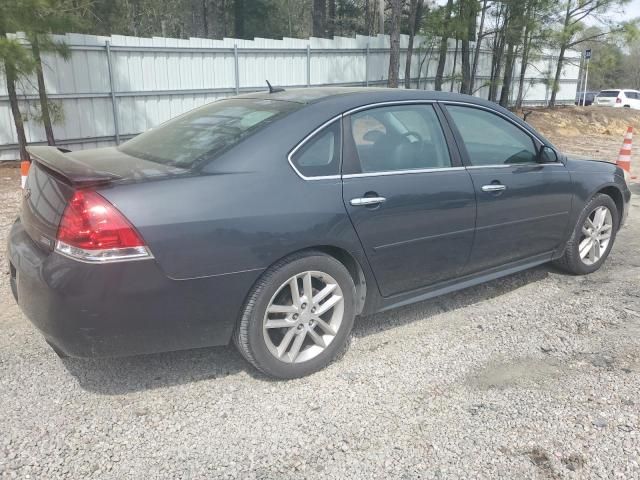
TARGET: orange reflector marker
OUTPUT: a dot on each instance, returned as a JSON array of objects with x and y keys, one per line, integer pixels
[
  {"x": 624, "y": 157},
  {"x": 24, "y": 171}
]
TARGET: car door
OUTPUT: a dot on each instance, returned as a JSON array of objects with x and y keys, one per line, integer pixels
[
  {"x": 523, "y": 205},
  {"x": 409, "y": 198}
]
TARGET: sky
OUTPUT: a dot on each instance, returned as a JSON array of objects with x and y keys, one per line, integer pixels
[{"x": 632, "y": 9}]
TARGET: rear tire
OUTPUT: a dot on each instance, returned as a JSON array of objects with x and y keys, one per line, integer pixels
[
  {"x": 581, "y": 255},
  {"x": 288, "y": 335}
]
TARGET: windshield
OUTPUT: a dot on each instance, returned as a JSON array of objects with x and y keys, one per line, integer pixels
[
  {"x": 200, "y": 136},
  {"x": 609, "y": 93}
]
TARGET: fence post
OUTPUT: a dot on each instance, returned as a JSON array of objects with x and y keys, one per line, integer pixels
[
  {"x": 419, "y": 66},
  {"x": 366, "y": 66},
  {"x": 114, "y": 105},
  {"x": 308, "y": 65},
  {"x": 235, "y": 59}
]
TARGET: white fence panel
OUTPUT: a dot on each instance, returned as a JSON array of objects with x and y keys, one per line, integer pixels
[{"x": 147, "y": 81}]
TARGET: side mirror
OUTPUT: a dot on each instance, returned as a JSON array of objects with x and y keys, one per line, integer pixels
[{"x": 547, "y": 155}]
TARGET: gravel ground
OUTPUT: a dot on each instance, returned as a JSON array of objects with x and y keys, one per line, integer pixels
[{"x": 533, "y": 376}]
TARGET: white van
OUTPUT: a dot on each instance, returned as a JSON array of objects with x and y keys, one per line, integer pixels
[{"x": 619, "y": 98}]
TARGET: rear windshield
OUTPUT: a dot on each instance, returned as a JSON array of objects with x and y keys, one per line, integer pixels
[
  {"x": 199, "y": 136},
  {"x": 609, "y": 93}
]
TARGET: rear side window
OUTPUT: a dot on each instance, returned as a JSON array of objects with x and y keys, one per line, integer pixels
[
  {"x": 490, "y": 139},
  {"x": 320, "y": 155},
  {"x": 399, "y": 137},
  {"x": 202, "y": 135},
  {"x": 609, "y": 93}
]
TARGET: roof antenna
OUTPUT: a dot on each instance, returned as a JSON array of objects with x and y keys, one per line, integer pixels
[{"x": 274, "y": 89}]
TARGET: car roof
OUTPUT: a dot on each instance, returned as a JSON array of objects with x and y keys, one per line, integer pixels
[
  {"x": 328, "y": 102},
  {"x": 364, "y": 94}
]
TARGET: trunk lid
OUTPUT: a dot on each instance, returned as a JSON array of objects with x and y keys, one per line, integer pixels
[{"x": 54, "y": 176}]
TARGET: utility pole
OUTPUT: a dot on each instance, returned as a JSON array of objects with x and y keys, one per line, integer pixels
[
  {"x": 587, "y": 56},
  {"x": 381, "y": 11}
]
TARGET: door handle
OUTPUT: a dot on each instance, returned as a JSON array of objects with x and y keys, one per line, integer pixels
[
  {"x": 365, "y": 201},
  {"x": 493, "y": 188}
]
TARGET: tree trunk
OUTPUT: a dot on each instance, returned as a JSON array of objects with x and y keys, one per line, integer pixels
[
  {"x": 369, "y": 16},
  {"x": 415, "y": 18},
  {"x": 468, "y": 15},
  {"x": 496, "y": 66},
  {"x": 205, "y": 18},
  {"x": 238, "y": 18},
  {"x": 453, "y": 68},
  {"x": 524, "y": 63},
  {"x": 476, "y": 54},
  {"x": 442, "y": 55},
  {"x": 331, "y": 19},
  {"x": 466, "y": 67},
  {"x": 508, "y": 75},
  {"x": 556, "y": 80},
  {"x": 394, "y": 34},
  {"x": 219, "y": 20},
  {"x": 42, "y": 92},
  {"x": 10, "y": 74},
  {"x": 319, "y": 15},
  {"x": 427, "y": 59}
]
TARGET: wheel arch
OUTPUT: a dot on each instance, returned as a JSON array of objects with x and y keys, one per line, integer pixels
[
  {"x": 354, "y": 268},
  {"x": 616, "y": 195}
]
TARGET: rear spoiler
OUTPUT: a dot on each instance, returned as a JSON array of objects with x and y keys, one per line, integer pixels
[{"x": 75, "y": 172}]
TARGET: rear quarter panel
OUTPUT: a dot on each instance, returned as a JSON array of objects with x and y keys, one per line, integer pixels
[{"x": 245, "y": 212}]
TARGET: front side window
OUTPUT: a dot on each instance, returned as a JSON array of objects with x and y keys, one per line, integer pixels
[
  {"x": 202, "y": 135},
  {"x": 399, "y": 137},
  {"x": 490, "y": 139},
  {"x": 320, "y": 155}
]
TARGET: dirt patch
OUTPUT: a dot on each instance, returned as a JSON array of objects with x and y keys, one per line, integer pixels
[
  {"x": 590, "y": 132},
  {"x": 521, "y": 372}
]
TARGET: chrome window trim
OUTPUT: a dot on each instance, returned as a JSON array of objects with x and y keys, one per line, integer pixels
[
  {"x": 402, "y": 172},
  {"x": 407, "y": 172},
  {"x": 389, "y": 103},
  {"x": 512, "y": 165},
  {"x": 304, "y": 141}
]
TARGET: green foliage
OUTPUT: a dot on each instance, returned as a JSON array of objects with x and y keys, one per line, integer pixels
[{"x": 33, "y": 112}]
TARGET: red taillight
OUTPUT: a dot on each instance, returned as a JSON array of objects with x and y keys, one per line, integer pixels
[
  {"x": 618, "y": 100},
  {"x": 90, "y": 222}
]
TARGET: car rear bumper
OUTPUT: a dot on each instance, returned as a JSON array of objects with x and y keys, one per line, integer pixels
[{"x": 119, "y": 309}]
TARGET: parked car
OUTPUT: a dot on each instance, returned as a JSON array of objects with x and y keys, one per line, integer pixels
[
  {"x": 619, "y": 98},
  {"x": 274, "y": 219},
  {"x": 585, "y": 99}
]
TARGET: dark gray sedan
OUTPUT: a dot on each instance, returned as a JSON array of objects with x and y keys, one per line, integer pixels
[{"x": 274, "y": 219}]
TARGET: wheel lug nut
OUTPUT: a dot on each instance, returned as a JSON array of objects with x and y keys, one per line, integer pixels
[
  {"x": 300, "y": 327},
  {"x": 304, "y": 305},
  {"x": 295, "y": 316},
  {"x": 313, "y": 310}
]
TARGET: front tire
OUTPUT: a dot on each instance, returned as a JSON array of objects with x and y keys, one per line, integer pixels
[
  {"x": 298, "y": 316},
  {"x": 592, "y": 237}
]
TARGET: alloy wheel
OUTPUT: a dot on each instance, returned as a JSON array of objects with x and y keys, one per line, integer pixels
[
  {"x": 303, "y": 317},
  {"x": 596, "y": 235}
]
